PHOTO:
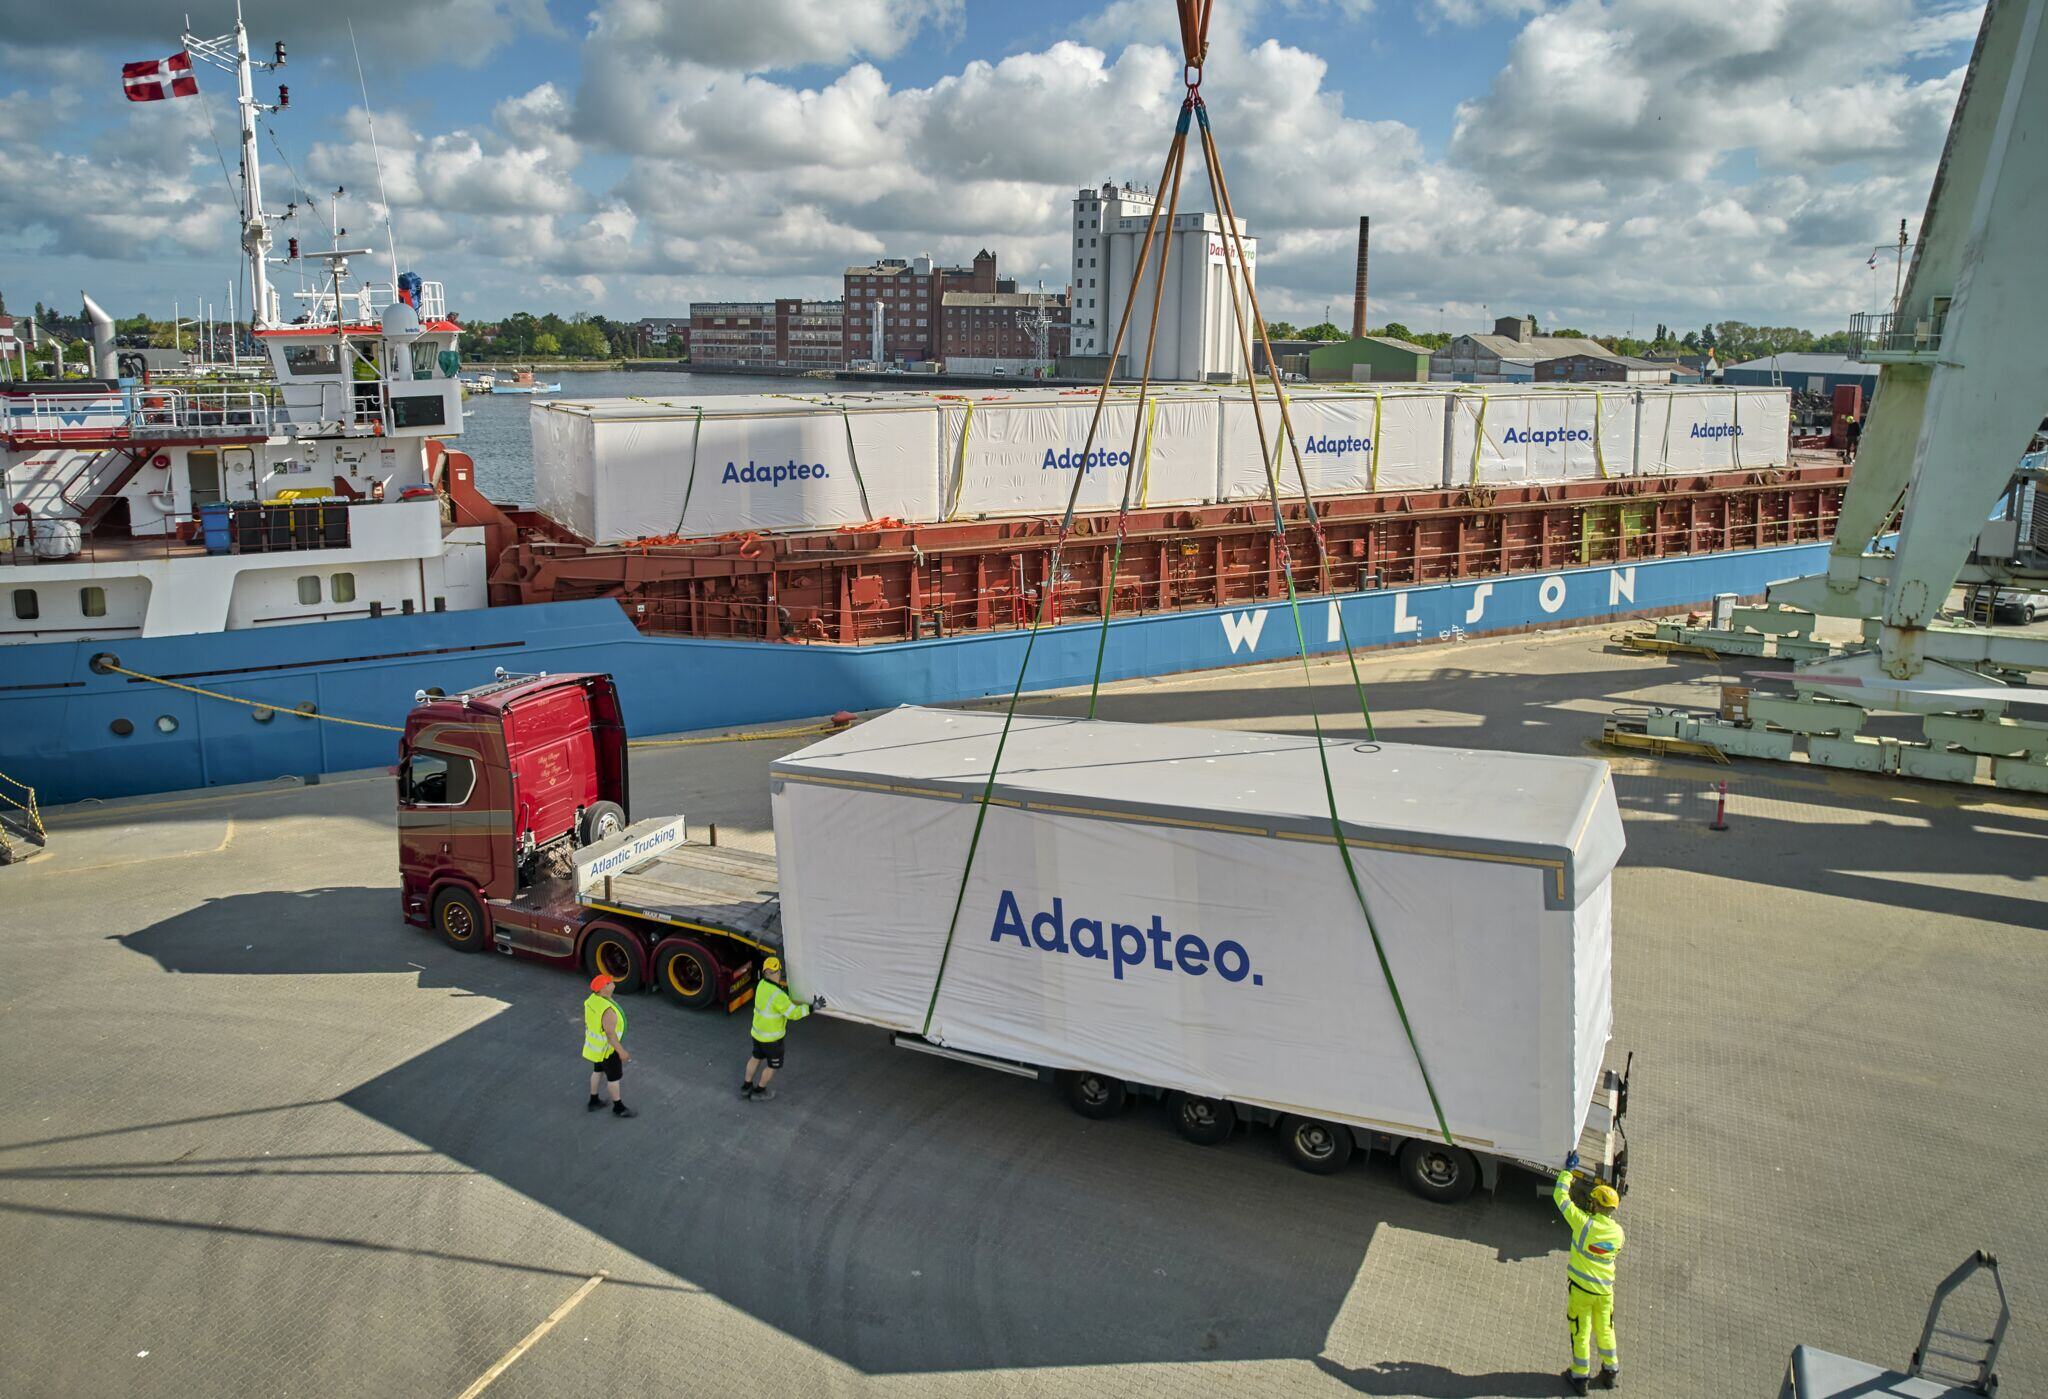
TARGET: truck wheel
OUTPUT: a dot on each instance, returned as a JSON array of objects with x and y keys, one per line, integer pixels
[
  {"x": 687, "y": 971},
  {"x": 1316, "y": 1146},
  {"x": 460, "y": 919},
  {"x": 1095, "y": 1095},
  {"x": 1439, "y": 1171},
  {"x": 600, "y": 819},
  {"x": 616, "y": 953},
  {"x": 1203, "y": 1121}
]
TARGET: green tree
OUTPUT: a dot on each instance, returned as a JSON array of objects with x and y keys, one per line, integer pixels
[
  {"x": 1395, "y": 330},
  {"x": 546, "y": 344},
  {"x": 585, "y": 341},
  {"x": 1282, "y": 330},
  {"x": 1323, "y": 331}
]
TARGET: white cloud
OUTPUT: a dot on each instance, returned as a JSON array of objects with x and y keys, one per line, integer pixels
[{"x": 767, "y": 34}]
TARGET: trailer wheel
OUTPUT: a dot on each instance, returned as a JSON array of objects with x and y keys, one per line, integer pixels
[
  {"x": 460, "y": 919},
  {"x": 1318, "y": 1147},
  {"x": 1439, "y": 1171},
  {"x": 1203, "y": 1121},
  {"x": 1095, "y": 1095},
  {"x": 600, "y": 819},
  {"x": 616, "y": 953},
  {"x": 687, "y": 971}
]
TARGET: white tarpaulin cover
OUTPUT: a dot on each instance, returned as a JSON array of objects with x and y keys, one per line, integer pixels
[
  {"x": 1714, "y": 429},
  {"x": 625, "y": 469},
  {"x": 1167, "y": 905},
  {"x": 1352, "y": 442},
  {"x": 1507, "y": 437},
  {"x": 1017, "y": 456}
]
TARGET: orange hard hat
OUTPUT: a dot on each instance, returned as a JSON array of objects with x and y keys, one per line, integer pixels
[{"x": 600, "y": 981}]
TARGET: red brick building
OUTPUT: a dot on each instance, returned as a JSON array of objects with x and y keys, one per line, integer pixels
[
  {"x": 895, "y": 307},
  {"x": 1009, "y": 330},
  {"x": 784, "y": 334}
]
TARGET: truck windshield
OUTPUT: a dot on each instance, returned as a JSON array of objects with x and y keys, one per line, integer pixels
[{"x": 434, "y": 780}]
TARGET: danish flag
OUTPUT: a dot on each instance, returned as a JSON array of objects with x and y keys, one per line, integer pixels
[{"x": 156, "y": 79}]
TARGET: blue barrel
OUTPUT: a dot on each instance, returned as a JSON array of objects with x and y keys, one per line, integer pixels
[{"x": 213, "y": 525}]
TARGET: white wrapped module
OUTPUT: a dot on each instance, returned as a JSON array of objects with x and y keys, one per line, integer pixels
[
  {"x": 1515, "y": 437},
  {"x": 1352, "y": 442},
  {"x": 1168, "y": 905},
  {"x": 623, "y": 469},
  {"x": 1018, "y": 455},
  {"x": 1686, "y": 430}
]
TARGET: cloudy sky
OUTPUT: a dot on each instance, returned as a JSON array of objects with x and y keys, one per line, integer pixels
[{"x": 1604, "y": 163}]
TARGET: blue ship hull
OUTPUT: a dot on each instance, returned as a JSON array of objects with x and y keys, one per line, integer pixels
[{"x": 58, "y": 718}]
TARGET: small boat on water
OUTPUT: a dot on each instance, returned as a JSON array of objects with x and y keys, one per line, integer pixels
[{"x": 523, "y": 382}]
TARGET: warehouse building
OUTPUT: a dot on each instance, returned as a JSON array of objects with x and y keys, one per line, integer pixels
[
  {"x": 1370, "y": 359},
  {"x": 1003, "y": 332},
  {"x": 895, "y": 307},
  {"x": 1805, "y": 373},
  {"x": 1603, "y": 368},
  {"x": 1508, "y": 356},
  {"x": 1197, "y": 338}
]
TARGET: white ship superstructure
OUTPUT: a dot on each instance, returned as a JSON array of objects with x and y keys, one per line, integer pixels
[{"x": 138, "y": 508}]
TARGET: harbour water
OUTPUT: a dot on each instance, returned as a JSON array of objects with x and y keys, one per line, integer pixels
[{"x": 496, "y": 430}]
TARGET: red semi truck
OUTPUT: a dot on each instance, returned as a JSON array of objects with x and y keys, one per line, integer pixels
[{"x": 513, "y": 833}]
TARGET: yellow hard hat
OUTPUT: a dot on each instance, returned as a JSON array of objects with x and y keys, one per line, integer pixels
[
  {"x": 772, "y": 966},
  {"x": 1604, "y": 1198}
]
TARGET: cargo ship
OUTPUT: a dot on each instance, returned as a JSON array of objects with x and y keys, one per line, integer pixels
[{"x": 202, "y": 579}]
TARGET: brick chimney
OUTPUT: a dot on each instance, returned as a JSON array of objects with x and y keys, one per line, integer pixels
[{"x": 1358, "y": 290}]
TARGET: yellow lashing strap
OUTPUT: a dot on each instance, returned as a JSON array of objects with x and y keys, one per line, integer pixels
[
  {"x": 1479, "y": 436},
  {"x": 960, "y": 465},
  {"x": 1599, "y": 456},
  {"x": 1372, "y": 478},
  {"x": 1145, "y": 462}
]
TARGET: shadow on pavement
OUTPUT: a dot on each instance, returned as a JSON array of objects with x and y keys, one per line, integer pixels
[
  {"x": 1402, "y": 1377},
  {"x": 898, "y": 1212}
]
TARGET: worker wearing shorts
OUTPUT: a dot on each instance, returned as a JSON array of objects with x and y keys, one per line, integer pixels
[
  {"x": 604, "y": 1030},
  {"x": 773, "y": 1010}
]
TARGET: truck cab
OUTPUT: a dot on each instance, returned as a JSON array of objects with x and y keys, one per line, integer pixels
[
  {"x": 513, "y": 835},
  {"x": 497, "y": 784}
]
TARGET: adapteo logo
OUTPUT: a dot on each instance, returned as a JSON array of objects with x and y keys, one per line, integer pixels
[
  {"x": 1713, "y": 430},
  {"x": 1317, "y": 444},
  {"x": 1124, "y": 946},
  {"x": 1547, "y": 436},
  {"x": 774, "y": 473},
  {"x": 1070, "y": 460}
]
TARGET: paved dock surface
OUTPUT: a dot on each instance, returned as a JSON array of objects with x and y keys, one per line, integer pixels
[{"x": 257, "y": 1136}]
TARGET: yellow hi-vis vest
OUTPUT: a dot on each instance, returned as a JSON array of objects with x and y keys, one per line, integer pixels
[
  {"x": 596, "y": 1048},
  {"x": 1596, "y": 1242},
  {"x": 773, "y": 1010}
]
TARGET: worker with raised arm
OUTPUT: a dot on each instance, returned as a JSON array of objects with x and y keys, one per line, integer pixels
[
  {"x": 1589, "y": 1276},
  {"x": 773, "y": 1010},
  {"x": 604, "y": 1027}
]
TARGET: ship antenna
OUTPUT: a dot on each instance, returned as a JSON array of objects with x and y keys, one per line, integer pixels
[{"x": 390, "y": 237}]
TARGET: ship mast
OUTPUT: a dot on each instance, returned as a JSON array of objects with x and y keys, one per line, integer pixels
[{"x": 230, "y": 54}]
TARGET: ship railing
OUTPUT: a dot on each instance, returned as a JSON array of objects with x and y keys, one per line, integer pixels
[
  {"x": 1884, "y": 337},
  {"x": 182, "y": 412},
  {"x": 369, "y": 302}
]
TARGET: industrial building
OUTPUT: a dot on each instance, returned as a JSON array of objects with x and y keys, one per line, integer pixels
[
  {"x": 1376, "y": 359},
  {"x": 1603, "y": 368},
  {"x": 784, "y": 334},
  {"x": 895, "y": 307},
  {"x": 1508, "y": 356},
  {"x": 1003, "y": 332},
  {"x": 1807, "y": 373},
  {"x": 1197, "y": 339}
]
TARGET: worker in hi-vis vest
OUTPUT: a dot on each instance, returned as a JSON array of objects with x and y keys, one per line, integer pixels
[
  {"x": 1589, "y": 1276},
  {"x": 604, "y": 1027},
  {"x": 773, "y": 1010}
]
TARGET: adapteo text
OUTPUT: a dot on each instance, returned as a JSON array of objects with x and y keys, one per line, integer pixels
[
  {"x": 1336, "y": 444},
  {"x": 1070, "y": 460},
  {"x": 773, "y": 473},
  {"x": 1716, "y": 430},
  {"x": 1124, "y": 945},
  {"x": 1547, "y": 436}
]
